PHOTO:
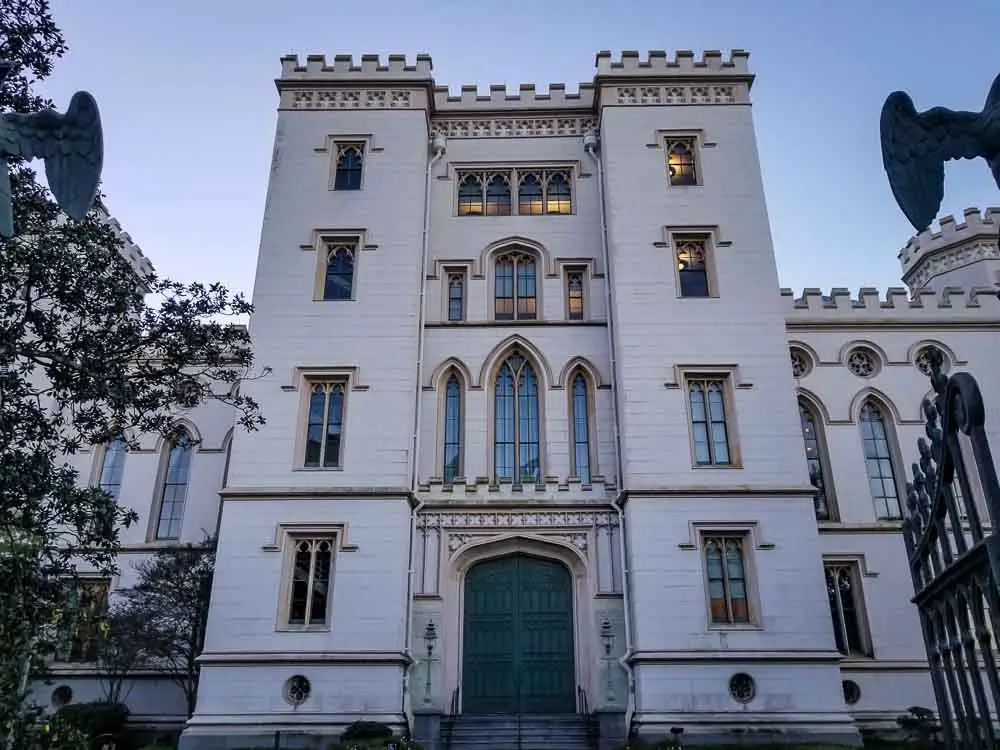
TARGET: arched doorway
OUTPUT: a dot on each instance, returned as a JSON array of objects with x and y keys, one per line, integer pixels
[{"x": 518, "y": 637}]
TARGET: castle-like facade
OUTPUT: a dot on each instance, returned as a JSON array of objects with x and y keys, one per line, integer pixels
[{"x": 543, "y": 436}]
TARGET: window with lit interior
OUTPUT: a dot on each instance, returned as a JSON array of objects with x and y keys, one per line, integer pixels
[{"x": 514, "y": 286}]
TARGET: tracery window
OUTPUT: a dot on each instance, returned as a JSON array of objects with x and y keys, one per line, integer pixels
[
  {"x": 539, "y": 192},
  {"x": 338, "y": 282},
  {"x": 325, "y": 426},
  {"x": 309, "y": 589},
  {"x": 581, "y": 428},
  {"x": 173, "y": 488},
  {"x": 516, "y": 422},
  {"x": 452, "y": 429},
  {"x": 878, "y": 462},
  {"x": 681, "y": 165},
  {"x": 812, "y": 435},
  {"x": 498, "y": 196},
  {"x": 692, "y": 266},
  {"x": 350, "y": 163},
  {"x": 515, "y": 286}
]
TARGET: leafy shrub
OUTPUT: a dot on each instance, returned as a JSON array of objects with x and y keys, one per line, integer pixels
[
  {"x": 365, "y": 730},
  {"x": 91, "y": 719}
]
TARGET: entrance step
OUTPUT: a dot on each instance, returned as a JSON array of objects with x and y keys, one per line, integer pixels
[{"x": 517, "y": 732}]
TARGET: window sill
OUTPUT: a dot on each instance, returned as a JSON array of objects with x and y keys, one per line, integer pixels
[
  {"x": 734, "y": 627},
  {"x": 303, "y": 629},
  {"x": 318, "y": 468},
  {"x": 700, "y": 467}
]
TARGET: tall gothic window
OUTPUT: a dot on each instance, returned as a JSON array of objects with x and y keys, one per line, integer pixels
[
  {"x": 350, "y": 162},
  {"x": 812, "y": 436},
  {"x": 309, "y": 592},
  {"x": 845, "y": 608},
  {"x": 514, "y": 287},
  {"x": 338, "y": 283},
  {"x": 707, "y": 402},
  {"x": 325, "y": 428},
  {"x": 727, "y": 579},
  {"x": 558, "y": 196},
  {"x": 456, "y": 296},
  {"x": 173, "y": 490},
  {"x": 574, "y": 294},
  {"x": 112, "y": 466},
  {"x": 581, "y": 428},
  {"x": 878, "y": 462},
  {"x": 452, "y": 429},
  {"x": 516, "y": 438}
]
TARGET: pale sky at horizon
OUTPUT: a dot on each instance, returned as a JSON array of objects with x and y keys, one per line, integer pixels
[{"x": 188, "y": 103}]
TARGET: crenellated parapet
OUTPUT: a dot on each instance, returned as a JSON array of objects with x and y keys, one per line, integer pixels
[
  {"x": 955, "y": 245},
  {"x": 343, "y": 68},
  {"x": 129, "y": 249},
  {"x": 627, "y": 80},
  {"x": 683, "y": 63},
  {"x": 870, "y": 306}
]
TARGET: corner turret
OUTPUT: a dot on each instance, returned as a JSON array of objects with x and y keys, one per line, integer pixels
[{"x": 960, "y": 254}]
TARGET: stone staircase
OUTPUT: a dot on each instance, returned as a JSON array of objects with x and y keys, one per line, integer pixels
[{"x": 516, "y": 732}]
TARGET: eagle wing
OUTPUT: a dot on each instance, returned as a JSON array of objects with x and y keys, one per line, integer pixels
[
  {"x": 71, "y": 144},
  {"x": 915, "y": 147}
]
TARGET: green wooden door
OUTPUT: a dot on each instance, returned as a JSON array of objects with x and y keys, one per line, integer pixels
[{"x": 518, "y": 640}]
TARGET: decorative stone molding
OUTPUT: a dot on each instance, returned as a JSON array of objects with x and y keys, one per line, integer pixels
[
  {"x": 679, "y": 94},
  {"x": 513, "y": 127},
  {"x": 460, "y": 540},
  {"x": 975, "y": 224},
  {"x": 517, "y": 519},
  {"x": 954, "y": 257},
  {"x": 346, "y": 98}
]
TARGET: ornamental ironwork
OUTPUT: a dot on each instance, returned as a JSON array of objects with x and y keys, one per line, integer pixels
[{"x": 953, "y": 505}]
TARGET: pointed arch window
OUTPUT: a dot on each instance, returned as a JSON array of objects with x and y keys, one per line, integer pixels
[
  {"x": 498, "y": 196},
  {"x": 875, "y": 439},
  {"x": 470, "y": 196},
  {"x": 514, "y": 287},
  {"x": 516, "y": 434},
  {"x": 727, "y": 579},
  {"x": 350, "y": 163},
  {"x": 112, "y": 466},
  {"x": 338, "y": 283},
  {"x": 812, "y": 436},
  {"x": 173, "y": 491},
  {"x": 529, "y": 196},
  {"x": 452, "y": 429},
  {"x": 456, "y": 296},
  {"x": 843, "y": 589},
  {"x": 581, "y": 428}
]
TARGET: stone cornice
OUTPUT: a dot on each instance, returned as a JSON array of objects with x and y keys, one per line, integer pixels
[
  {"x": 701, "y": 656},
  {"x": 344, "y": 658}
]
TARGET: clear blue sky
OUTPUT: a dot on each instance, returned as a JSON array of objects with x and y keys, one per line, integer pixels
[{"x": 187, "y": 96}]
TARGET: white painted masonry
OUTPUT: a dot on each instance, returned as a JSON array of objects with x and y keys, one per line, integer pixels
[{"x": 630, "y": 537}]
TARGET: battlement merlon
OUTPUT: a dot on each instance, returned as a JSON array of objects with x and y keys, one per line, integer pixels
[
  {"x": 976, "y": 225},
  {"x": 869, "y": 306},
  {"x": 129, "y": 249}
]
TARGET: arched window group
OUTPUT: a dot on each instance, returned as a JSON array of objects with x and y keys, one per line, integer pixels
[
  {"x": 538, "y": 191},
  {"x": 517, "y": 423},
  {"x": 877, "y": 442}
]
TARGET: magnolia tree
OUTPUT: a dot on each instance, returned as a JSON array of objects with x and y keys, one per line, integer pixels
[{"x": 88, "y": 352}]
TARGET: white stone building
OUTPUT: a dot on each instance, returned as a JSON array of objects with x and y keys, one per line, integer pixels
[{"x": 531, "y": 396}]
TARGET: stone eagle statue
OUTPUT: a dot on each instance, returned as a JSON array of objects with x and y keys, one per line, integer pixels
[
  {"x": 71, "y": 144},
  {"x": 915, "y": 146}
]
